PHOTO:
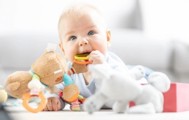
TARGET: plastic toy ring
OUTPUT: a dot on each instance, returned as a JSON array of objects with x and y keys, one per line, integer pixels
[
  {"x": 82, "y": 62},
  {"x": 82, "y": 59},
  {"x": 81, "y": 56},
  {"x": 41, "y": 106}
]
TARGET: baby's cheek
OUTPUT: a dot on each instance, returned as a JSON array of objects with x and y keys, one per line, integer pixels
[{"x": 69, "y": 58}]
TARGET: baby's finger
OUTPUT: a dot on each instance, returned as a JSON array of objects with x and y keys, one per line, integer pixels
[
  {"x": 59, "y": 106},
  {"x": 49, "y": 105},
  {"x": 93, "y": 53},
  {"x": 55, "y": 106},
  {"x": 45, "y": 109}
]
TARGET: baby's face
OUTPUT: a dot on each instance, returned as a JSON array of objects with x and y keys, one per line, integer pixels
[{"x": 83, "y": 33}]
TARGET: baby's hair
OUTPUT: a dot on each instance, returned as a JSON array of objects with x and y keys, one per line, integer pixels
[{"x": 76, "y": 9}]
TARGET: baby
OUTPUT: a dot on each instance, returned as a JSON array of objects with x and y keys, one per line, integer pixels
[{"x": 82, "y": 29}]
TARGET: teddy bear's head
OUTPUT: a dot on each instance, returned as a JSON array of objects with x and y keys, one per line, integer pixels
[
  {"x": 50, "y": 67},
  {"x": 16, "y": 83}
]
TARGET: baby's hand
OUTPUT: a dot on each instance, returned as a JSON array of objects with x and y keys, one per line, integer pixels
[
  {"x": 54, "y": 104},
  {"x": 96, "y": 57}
]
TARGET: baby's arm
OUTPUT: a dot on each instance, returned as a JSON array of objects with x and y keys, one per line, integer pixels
[{"x": 54, "y": 104}]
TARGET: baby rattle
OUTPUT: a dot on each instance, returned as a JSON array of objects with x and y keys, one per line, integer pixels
[{"x": 71, "y": 93}]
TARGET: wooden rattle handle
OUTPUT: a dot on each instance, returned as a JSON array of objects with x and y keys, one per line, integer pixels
[{"x": 41, "y": 106}]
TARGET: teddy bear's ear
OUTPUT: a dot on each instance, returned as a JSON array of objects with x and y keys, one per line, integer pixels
[
  {"x": 13, "y": 86},
  {"x": 51, "y": 47}
]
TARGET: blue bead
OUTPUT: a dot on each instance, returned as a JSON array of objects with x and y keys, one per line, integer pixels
[{"x": 67, "y": 80}]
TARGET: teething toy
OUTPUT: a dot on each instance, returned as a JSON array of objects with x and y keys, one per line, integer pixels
[
  {"x": 36, "y": 91},
  {"x": 82, "y": 58},
  {"x": 27, "y": 97},
  {"x": 71, "y": 94}
]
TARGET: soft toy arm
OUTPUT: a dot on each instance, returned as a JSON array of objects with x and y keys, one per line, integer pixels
[
  {"x": 160, "y": 81},
  {"x": 157, "y": 79}
]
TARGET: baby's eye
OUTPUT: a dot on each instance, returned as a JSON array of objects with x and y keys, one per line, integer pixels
[
  {"x": 91, "y": 32},
  {"x": 71, "y": 38}
]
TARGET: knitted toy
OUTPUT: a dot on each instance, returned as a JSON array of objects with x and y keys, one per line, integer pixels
[
  {"x": 47, "y": 71},
  {"x": 124, "y": 88}
]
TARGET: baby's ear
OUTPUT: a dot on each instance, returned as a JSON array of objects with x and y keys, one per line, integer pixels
[
  {"x": 108, "y": 34},
  {"x": 61, "y": 46}
]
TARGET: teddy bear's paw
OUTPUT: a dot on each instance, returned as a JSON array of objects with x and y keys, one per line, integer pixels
[
  {"x": 13, "y": 86},
  {"x": 120, "y": 107}
]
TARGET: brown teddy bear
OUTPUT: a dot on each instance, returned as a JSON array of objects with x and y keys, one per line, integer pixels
[
  {"x": 47, "y": 71},
  {"x": 16, "y": 83}
]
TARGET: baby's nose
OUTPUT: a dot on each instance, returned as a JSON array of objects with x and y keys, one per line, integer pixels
[{"x": 83, "y": 42}]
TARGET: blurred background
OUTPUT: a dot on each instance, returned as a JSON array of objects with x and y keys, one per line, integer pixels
[{"x": 153, "y": 33}]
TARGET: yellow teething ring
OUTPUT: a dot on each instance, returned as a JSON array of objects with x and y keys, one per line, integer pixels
[
  {"x": 41, "y": 106},
  {"x": 81, "y": 57},
  {"x": 82, "y": 62}
]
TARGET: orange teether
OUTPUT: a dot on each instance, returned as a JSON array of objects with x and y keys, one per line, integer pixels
[
  {"x": 41, "y": 106},
  {"x": 82, "y": 59}
]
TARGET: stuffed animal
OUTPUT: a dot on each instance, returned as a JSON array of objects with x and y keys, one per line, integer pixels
[
  {"x": 47, "y": 71},
  {"x": 3, "y": 95},
  {"x": 125, "y": 88}
]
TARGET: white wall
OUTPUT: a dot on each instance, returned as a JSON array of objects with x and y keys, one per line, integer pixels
[
  {"x": 161, "y": 18},
  {"x": 42, "y": 15},
  {"x": 167, "y": 19}
]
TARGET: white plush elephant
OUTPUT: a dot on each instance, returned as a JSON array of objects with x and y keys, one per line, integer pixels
[{"x": 124, "y": 88}]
